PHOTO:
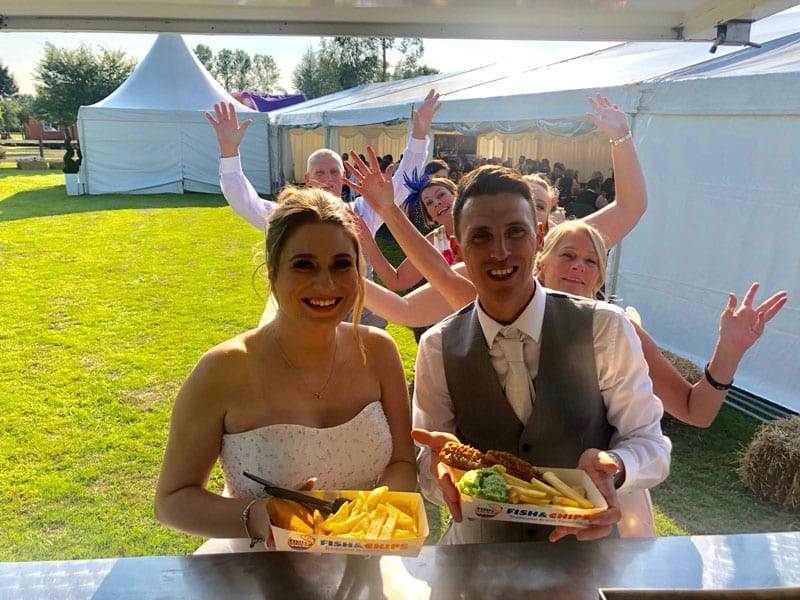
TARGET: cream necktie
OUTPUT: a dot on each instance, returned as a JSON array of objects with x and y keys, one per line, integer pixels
[{"x": 518, "y": 379}]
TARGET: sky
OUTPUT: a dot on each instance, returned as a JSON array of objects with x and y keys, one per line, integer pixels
[{"x": 20, "y": 52}]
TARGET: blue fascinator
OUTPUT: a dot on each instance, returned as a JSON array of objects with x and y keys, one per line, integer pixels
[{"x": 415, "y": 185}]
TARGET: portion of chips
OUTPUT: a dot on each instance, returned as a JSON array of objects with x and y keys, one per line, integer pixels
[
  {"x": 553, "y": 493},
  {"x": 369, "y": 516}
]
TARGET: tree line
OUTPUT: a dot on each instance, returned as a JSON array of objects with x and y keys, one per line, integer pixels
[
  {"x": 70, "y": 78},
  {"x": 340, "y": 63}
]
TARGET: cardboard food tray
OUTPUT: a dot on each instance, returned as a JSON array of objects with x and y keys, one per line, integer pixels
[
  {"x": 540, "y": 515},
  {"x": 307, "y": 542}
]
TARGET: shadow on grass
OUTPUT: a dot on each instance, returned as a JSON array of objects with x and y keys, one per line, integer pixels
[{"x": 53, "y": 200}]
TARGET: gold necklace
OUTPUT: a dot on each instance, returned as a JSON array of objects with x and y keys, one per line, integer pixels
[{"x": 317, "y": 395}]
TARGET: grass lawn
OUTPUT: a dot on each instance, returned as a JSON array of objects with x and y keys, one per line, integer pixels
[{"x": 108, "y": 302}]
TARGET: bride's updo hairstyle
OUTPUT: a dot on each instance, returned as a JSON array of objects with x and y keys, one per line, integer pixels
[{"x": 311, "y": 206}]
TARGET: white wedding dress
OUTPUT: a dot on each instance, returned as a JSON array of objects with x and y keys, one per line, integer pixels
[{"x": 350, "y": 456}]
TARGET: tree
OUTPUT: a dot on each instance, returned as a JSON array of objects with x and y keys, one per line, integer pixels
[
  {"x": 70, "y": 79},
  {"x": 358, "y": 60},
  {"x": 308, "y": 78},
  {"x": 345, "y": 62},
  {"x": 16, "y": 112},
  {"x": 8, "y": 86},
  {"x": 242, "y": 64},
  {"x": 205, "y": 55},
  {"x": 386, "y": 45},
  {"x": 237, "y": 70},
  {"x": 338, "y": 64},
  {"x": 411, "y": 50},
  {"x": 264, "y": 75},
  {"x": 223, "y": 68}
]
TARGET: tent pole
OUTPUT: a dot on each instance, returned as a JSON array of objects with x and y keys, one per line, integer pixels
[
  {"x": 330, "y": 138},
  {"x": 611, "y": 288}
]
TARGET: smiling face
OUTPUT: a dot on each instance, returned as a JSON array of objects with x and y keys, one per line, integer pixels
[
  {"x": 572, "y": 266},
  {"x": 437, "y": 202},
  {"x": 317, "y": 274},
  {"x": 325, "y": 172},
  {"x": 498, "y": 246}
]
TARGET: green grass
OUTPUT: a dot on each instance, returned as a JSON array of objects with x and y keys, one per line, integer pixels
[
  {"x": 108, "y": 302},
  {"x": 704, "y": 494}
]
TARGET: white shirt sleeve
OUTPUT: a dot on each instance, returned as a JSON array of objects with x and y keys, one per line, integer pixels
[
  {"x": 414, "y": 156},
  {"x": 432, "y": 407},
  {"x": 372, "y": 219},
  {"x": 631, "y": 406},
  {"x": 241, "y": 194}
]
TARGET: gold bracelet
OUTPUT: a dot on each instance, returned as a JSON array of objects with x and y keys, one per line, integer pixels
[
  {"x": 619, "y": 140},
  {"x": 245, "y": 518}
]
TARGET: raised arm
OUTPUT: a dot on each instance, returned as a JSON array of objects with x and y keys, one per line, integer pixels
[
  {"x": 700, "y": 403},
  {"x": 376, "y": 190},
  {"x": 416, "y": 152},
  {"x": 397, "y": 278},
  {"x": 236, "y": 188},
  {"x": 420, "y": 308},
  {"x": 617, "y": 219}
]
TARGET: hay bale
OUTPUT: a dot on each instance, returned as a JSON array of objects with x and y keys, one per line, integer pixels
[
  {"x": 690, "y": 371},
  {"x": 34, "y": 163},
  {"x": 771, "y": 464},
  {"x": 56, "y": 164}
]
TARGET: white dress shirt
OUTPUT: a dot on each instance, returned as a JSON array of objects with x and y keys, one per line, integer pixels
[
  {"x": 622, "y": 374},
  {"x": 245, "y": 201}
]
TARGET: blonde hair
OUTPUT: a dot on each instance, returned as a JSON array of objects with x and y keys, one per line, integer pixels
[
  {"x": 553, "y": 239},
  {"x": 311, "y": 206},
  {"x": 535, "y": 179}
]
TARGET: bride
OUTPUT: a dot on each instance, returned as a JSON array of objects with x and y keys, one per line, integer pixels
[{"x": 303, "y": 400}]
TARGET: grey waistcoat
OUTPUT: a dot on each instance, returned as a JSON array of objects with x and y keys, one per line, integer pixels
[{"x": 568, "y": 415}]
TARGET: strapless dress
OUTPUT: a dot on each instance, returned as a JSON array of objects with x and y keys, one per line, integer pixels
[{"x": 350, "y": 456}]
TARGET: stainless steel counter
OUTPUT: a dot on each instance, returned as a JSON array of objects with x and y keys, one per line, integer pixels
[{"x": 566, "y": 570}]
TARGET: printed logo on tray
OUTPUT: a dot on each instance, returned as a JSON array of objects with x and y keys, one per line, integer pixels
[
  {"x": 392, "y": 546},
  {"x": 526, "y": 514},
  {"x": 568, "y": 517},
  {"x": 300, "y": 542},
  {"x": 488, "y": 511}
]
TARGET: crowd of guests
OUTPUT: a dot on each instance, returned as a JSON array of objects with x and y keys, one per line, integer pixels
[
  {"x": 314, "y": 397},
  {"x": 572, "y": 197}
]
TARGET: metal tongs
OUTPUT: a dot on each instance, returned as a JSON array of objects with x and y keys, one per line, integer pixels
[{"x": 324, "y": 506}]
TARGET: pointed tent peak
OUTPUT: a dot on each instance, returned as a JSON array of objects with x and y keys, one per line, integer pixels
[{"x": 170, "y": 77}]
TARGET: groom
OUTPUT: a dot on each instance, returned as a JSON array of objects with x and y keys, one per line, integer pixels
[{"x": 587, "y": 400}]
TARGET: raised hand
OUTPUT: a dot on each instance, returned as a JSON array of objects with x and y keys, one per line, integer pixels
[
  {"x": 374, "y": 186},
  {"x": 608, "y": 117},
  {"x": 600, "y": 467},
  {"x": 436, "y": 440},
  {"x": 226, "y": 125},
  {"x": 423, "y": 116},
  {"x": 740, "y": 328}
]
